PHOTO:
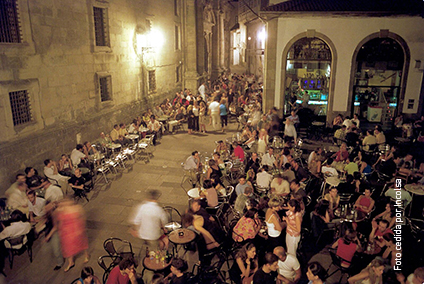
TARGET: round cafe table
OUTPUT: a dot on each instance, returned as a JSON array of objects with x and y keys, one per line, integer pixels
[
  {"x": 417, "y": 189},
  {"x": 181, "y": 237},
  {"x": 156, "y": 266},
  {"x": 194, "y": 193}
]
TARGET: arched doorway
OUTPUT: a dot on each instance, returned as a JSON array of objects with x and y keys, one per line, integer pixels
[
  {"x": 307, "y": 75},
  {"x": 378, "y": 83}
]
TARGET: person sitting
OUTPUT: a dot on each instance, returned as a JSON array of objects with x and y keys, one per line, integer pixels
[
  {"x": 238, "y": 152},
  {"x": 33, "y": 180},
  {"x": 365, "y": 203},
  {"x": 267, "y": 274},
  {"x": 88, "y": 277},
  {"x": 16, "y": 195},
  {"x": 242, "y": 185},
  {"x": 210, "y": 193},
  {"x": 314, "y": 163},
  {"x": 372, "y": 274},
  {"x": 178, "y": 119},
  {"x": 290, "y": 130},
  {"x": 328, "y": 169},
  {"x": 154, "y": 128},
  {"x": 280, "y": 186},
  {"x": 78, "y": 158},
  {"x": 269, "y": 159},
  {"x": 133, "y": 128},
  {"x": 333, "y": 200},
  {"x": 89, "y": 150},
  {"x": 405, "y": 196},
  {"x": 252, "y": 139},
  {"x": 378, "y": 230},
  {"x": 124, "y": 273},
  {"x": 77, "y": 181},
  {"x": 316, "y": 273},
  {"x": 348, "y": 187},
  {"x": 253, "y": 163},
  {"x": 36, "y": 210},
  {"x": 247, "y": 228},
  {"x": 417, "y": 277},
  {"x": 288, "y": 266},
  {"x": 52, "y": 173},
  {"x": 368, "y": 141},
  {"x": 380, "y": 137},
  {"x": 346, "y": 247},
  {"x": 105, "y": 139},
  {"x": 288, "y": 172},
  {"x": 342, "y": 154},
  {"x": 388, "y": 214},
  {"x": 340, "y": 135},
  {"x": 338, "y": 122},
  {"x": 351, "y": 166},
  {"x": 299, "y": 171},
  {"x": 52, "y": 192},
  {"x": 18, "y": 226},
  {"x": 263, "y": 178},
  {"x": 245, "y": 265},
  {"x": 221, "y": 148},
  {"x": 240, "y": 203},
  {"x": 392, "y": 252},
  {"x": 214, "y": 174},
  {"x": 297, "y": 189},
  {"x": 178, "y": 273},
  {"x": 205, "y": 224},
  {"x": 114, "y": 134},
  {"x": 320, "y": 218},
  {"x": 65, "y": 166}
]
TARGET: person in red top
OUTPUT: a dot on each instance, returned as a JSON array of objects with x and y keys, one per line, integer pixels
[
  {"x": 378, "y": 230},
  {"x": 124, "y": 273},
  {"x": 365, "y": 203},
  {"x": 238, "y": 152},
  {"x": 342, "y": 154},
  {"x": 347, "y": 246}
]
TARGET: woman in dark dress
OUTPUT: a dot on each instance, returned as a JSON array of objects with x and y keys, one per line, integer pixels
[{"x": 190, "y": 119}]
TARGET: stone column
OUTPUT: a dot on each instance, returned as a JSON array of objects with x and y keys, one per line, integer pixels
[
  {"x": 270, "y": 65},
  {"x": 191, "y": 75}
]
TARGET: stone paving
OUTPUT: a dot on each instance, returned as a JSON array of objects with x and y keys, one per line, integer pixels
[{"x": 110, "y": 206}]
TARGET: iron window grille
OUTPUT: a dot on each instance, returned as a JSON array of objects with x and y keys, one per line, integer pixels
[
  {"x": 101, "y": 27},
  {"x": 21, "y": 107},
  {"x": 152, "y": 80},
  {"x": 10, "y": 26},
  {"x": 105, "y": 88}
]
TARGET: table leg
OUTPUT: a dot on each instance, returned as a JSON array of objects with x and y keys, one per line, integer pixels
[{"x": 410, "y": 205}]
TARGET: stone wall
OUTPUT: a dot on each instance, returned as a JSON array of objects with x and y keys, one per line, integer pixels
[{"x": 59, "y": 65}]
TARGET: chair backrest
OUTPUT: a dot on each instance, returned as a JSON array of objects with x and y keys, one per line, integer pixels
[
  {"x": 16, "y": 242},
  {"x": 337, "y": 260},
  {"x": 116, "y": 247},
  {"x": 173, "y": 214}
]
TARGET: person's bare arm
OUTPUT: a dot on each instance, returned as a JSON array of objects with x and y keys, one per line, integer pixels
[{"x": 358, "y": 277}]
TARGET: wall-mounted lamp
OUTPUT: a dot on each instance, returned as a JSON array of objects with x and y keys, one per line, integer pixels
[{"x": 148, "y": 40}]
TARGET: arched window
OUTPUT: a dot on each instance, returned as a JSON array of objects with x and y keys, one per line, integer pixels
[
  {"x": 308, "y": 75},
  {"x": 377, "y": 85}
]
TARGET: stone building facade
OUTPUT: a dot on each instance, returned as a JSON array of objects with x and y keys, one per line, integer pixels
[{"x": 71, "y": 69}]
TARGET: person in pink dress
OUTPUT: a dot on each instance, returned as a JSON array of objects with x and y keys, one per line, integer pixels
[{"x": 70, "y": 223}]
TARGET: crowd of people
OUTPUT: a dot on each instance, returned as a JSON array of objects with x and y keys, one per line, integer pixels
[{"x": 275, "y": 202}]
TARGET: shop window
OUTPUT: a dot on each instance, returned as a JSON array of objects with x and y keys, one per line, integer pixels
[
  {"x": 10, "y": 26},
  {"x": 21, "y": 107},
  {"x": 101, "y": 26},
  {"x": 308, "y": 70},
  {"x": 105, "y": 85},
  {"x": 178, "y": 74},
  {"x": 177, "y": 37},
  {"x": 377, "y": 84}
]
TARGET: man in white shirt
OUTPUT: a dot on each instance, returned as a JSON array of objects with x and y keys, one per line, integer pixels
[
  {"x": 328, "y": 169},
  {"x": 17, "y": 227},
  {"x": 215, "y": 118},
  {"x": 263, "y": 178},
  {"x": 288, "y": 266},
  {"x": 280, "y": 186},
  {"x": 16, "y": 197},
  {"x": 192, "y": 165},
  {"x": 36, "y": 211},
  {"x": 77, "y": 155},
  {"x": 52, "y": 192},
  {"x": 19, "y": 179},
  {"x": 154, "y": 127},
  {"x": 148, "y": 221},
  {"x": 268, "y": 159}
]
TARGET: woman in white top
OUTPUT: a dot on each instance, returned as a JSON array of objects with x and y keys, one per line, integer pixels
[
  {"x": 262, "y": 141},
  {"x": 17, "y": 227},
  {"x": 274, "y": 223}
]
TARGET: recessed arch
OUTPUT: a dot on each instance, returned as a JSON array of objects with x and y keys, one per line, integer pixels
[
  {"x": 284, "y": 75},
  {"x": 384, "y": 36}
]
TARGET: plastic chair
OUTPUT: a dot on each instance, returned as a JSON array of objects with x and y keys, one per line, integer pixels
[{"x": 17, "y": 246}]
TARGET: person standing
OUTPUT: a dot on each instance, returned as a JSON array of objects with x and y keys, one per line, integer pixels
[
  {"x": 223, "y": 114},
  {"x": 214, "y": 112},
  {"x": 70, "y": 223},
  {"x": 294, "y": 225},
  {"x": 148, "y": 220}
]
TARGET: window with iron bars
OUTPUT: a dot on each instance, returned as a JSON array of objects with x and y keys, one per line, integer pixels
[
  {"x": 10, "y": 26},
  {"x": 21, "y": 107},
  {"x": 105, "y": 84},
  {"x": 152, "y": 80},
  {"x": 101, "y": 27}
]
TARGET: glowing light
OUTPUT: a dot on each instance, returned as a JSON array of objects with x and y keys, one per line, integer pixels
[
  {"x": 262, "y": 35},
  {"x": 150, "y": 41},
  {"x": 249, "y": 38}
]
